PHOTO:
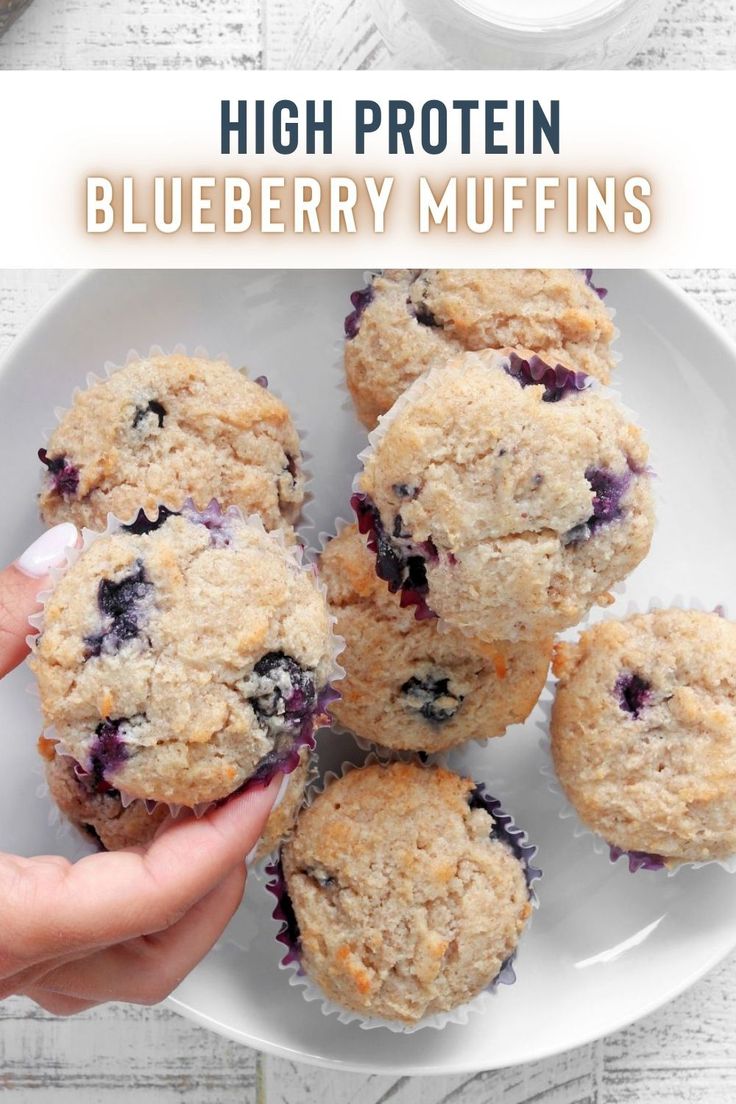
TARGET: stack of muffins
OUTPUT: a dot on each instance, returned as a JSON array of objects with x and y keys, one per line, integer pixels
[
  {"x": 504, "y": 490},
  {"x": 185, "y": 653}
]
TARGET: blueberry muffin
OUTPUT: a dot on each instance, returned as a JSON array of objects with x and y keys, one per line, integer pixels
[
  {"x": 644, "y": 733},
  {"x": 406, "y": 321},
  {"x": 406, "y": 897},
  {"x": 182, "y": 657},
  {"x": 505, "y": 495},
  {"x": 167, "y": 428},
  {"x": 96, "y": 808},
  {"x": 408, "y": 686}
]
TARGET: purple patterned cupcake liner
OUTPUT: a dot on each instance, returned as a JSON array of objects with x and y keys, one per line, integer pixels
[
  {"x": 338, "y": 346},
  {"x": 589, "y": 274},
  {"x": 287, "y": 927},
  {"x": 283, "y": 761},
  {"x": 636, "y": 861}
]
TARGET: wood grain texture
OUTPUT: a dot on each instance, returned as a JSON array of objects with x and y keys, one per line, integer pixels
[
  {"x": 283, "y": 34},
  {"x": 118, "y": 1052},
  {"x": 683, "y": 1054},
  {"x": 135, "y": 34},
  {"x": 692, "y": 34}
]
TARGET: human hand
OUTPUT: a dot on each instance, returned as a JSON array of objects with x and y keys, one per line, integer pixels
[{"x": 128, "y": 925}]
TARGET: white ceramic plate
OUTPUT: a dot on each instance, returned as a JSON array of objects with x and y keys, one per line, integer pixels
[{"x": 606, "y": 946}]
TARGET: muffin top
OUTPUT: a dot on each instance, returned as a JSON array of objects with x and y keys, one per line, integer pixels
[
  {"x": 512, "y": 489},
  {"x": 168, "y": 428},
  {"x": 644, "y": 732},
  {"x": 409, "y": 319},
  {"x": 180, "y": 658},
  {"x": 409, "y": 686},
  {"x": 407, "y": 903}
]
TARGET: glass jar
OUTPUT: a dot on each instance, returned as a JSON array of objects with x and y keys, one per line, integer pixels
[
  {"x": 514, "y": 34},
  {"x": 9, "y": 9}
]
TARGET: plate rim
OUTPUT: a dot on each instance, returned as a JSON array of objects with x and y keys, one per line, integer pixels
[{"x": 319, "y": 1061}]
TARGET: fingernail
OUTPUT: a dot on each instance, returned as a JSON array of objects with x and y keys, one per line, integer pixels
[
  {"x": 48, "y": 551},
  {"x": 281, "y": 794},
  {"x": 250, "y": 858}
]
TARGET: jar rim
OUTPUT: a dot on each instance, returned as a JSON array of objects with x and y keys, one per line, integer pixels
[{"x": 589, "y": 12}]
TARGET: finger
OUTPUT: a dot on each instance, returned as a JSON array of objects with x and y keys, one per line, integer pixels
[
  {"x": 24, "y": 979},
  {"x": 146, "y": 970},
  {"x": 19, "y": 587},
  {"x": 56, "y": 1003},
  {"x": 109, "y": 898}
]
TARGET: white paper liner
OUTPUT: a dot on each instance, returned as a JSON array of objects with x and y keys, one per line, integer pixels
[
  {"x": 566, "y": 810},
  {"x": 303, "y": 522},
  {"x": 460, "y": 1015},
  {"x": 294, "y": 552},
  {"x": 424, "y": 383}
]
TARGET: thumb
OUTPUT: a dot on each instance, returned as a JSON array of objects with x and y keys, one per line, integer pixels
[
  {"x": 20, "y": 585},
  {"x": 114, "y": 896}
]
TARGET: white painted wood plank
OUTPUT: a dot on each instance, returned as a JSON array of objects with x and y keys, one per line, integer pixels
[
  {"x": 692, "y": 1036},
  {"x": 135, "y": 34},
  {"x": 22, "y": 294},
  {"x": 333, "y": 34},
  {"x": 282, "y": 34},
  {"x": 714, "y": 289},
  {"x": 118, "y": 1053},
  {"x": 692, "y": 35},
  {"x": 570, "y": 1079}
]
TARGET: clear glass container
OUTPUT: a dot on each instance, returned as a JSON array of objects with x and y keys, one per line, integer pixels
[
  {"x": 9, "y": 9},
  {"x": 514, "y": 34}
]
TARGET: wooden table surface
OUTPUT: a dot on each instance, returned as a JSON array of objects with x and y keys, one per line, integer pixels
[
  {"x": 283, "y": 34},
  {"x": 684, "y": 1054}
]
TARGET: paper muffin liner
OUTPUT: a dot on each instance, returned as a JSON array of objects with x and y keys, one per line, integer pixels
[
  {"x": 212, "y": 515},
  {"x": 303, "y": 523},
  {"x": 637, "y": 860},
  {"x": 288, "y": 933},
  {"x": 362, "y": 505}
]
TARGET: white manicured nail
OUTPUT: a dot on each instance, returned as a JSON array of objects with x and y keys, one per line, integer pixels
[
  {"x": 281, "y": 794},
  {"x": 48, "y": 551},
  {"x": 251, "y": 856}
]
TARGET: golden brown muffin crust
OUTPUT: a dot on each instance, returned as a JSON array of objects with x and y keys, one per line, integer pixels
[
  {"x": 167, "y": 428},
  {"x": 405, "y": 905},
  {"x": 644, "y": 732}
]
